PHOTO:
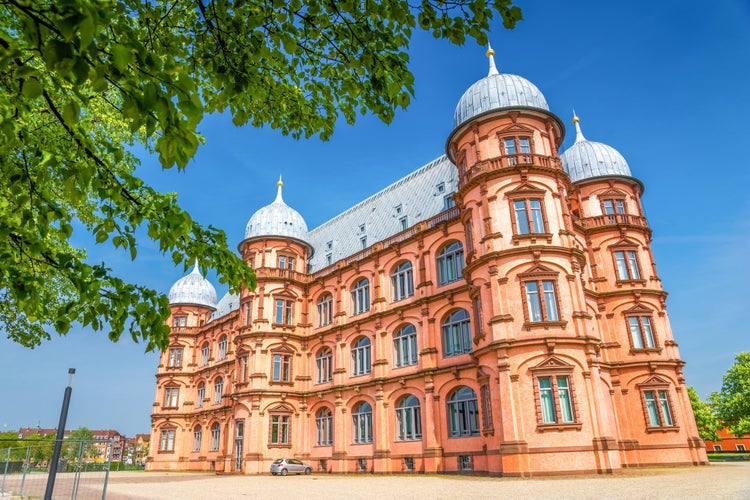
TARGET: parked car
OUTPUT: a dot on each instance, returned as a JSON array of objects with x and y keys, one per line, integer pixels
[{"x": 284, "y": 466}]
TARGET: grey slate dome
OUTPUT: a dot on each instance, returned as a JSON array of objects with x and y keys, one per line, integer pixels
[
  {"x": 588, "y": 159},
  {"x": 277, "y": 219},
  {"x": 497, "y": 91},
  {"x": 228, "y": 303},
  {"x": 193, "y": 289}
]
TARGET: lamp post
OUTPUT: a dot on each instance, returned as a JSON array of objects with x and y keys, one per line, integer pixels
[{"x": 59, "y": 437}]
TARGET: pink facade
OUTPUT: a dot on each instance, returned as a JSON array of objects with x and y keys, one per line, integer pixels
[{"x": 521, "y": 332}]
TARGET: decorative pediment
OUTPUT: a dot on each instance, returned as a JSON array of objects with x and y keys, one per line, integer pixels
[
  {"x": 638, "y": 310},
  {"x": 515, "y": 128},
  {"x": 624, "y": 243},
  {"x": 280, "y": 408},
  {"x": 538, "y": 271},
  {"x": 282, "y": 348},
  {"x": 612, "y": 193},
  {"x": 525, "y": 189},
  {"x": 654, "y": 380},
  {"x": 553, "y": 363}
]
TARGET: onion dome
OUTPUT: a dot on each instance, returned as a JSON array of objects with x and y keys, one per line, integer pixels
[
  {"x": 497, "y": 91},
  {"x": 587, "y": 159},
  {"x": 277, "y": 219},
  {"x": 193, "y": 289}
]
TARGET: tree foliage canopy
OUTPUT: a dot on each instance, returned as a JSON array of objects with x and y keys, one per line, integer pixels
[
  {"x": 732, "y": 403},
  {"x": 705, "y": 417},
  {"x": 82, "y": 80}
]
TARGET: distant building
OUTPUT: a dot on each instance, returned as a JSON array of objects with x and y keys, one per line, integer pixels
[
  {"x": 729, "y": 442},
  {"x": 103, "y": 439},
  {"x": 25, "y": 432},
  {"x": 137, "y": 448},
  {"x": 497, "y": 310}
]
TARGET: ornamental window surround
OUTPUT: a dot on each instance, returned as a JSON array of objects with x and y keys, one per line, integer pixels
[
  {"x": 281, "y": 369},
  {"x": 658, "y": 410},
  {"x": 361, "y": 297},
  {"x": 450, "y": 263},
  {"x": 166, "y": 443},
  {"x": 197, "y": 437},
  {"x": 215, "y": 437},
  {"x": 325, "y": 310},
  {"x": 641, "y": 331},
  {"x": 279, "y": 432},
  {"x": 625, "y": 261},
  {"x": 284, "y": 313},
  {"x": 243, "y": 360},
  {"x": 554, "y": 395},
  {"x": 205, "y": 353},
  {"x": 517, "y": 149},
  {"x": 200, "y": 395}
]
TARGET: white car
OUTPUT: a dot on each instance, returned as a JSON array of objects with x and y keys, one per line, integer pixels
[{"x": 284, "y": 466}]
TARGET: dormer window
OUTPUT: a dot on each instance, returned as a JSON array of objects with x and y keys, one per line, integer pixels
[
  {"x": 441, "y": 188},
  {"x": 399, "y": 208},
  {"x": 362, "y": 228},
  {"x": 329, "y": 245}
]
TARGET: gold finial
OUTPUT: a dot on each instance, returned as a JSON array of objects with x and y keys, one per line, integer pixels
[
  {"x": 280, "y": 183},
  {"x": 576, "y": 119},
  {"x": 491, "y": 55},
  {"x": 490, "y": 52}
]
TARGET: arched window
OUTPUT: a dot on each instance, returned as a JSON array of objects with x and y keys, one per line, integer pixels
[
  {"x": 325, "y": 310},
  {"x": 450, "y": 263},
  {"x": 362, "y": 423},
  {"x": 218, "y": 390},
  {"x": 456, "y": 330},
  {"x": 361, "y": 297},
  {"x": 197, "y": 436},
  {"x": 408, "y": 419},
  {"x": 463, "y": 413},
  {"x": 200, "y": 395},
  {"x": 205, "y": 351},
  {"x": 361, "y": 357},
  {"x": 405, "y": 346},
  {"x": 215, "y": 437},
  {"x": 324, "y": 424},
  {"x": 223, "y": 344},
  {"x": 402, "y": 282},
  {"x": 324, "y": 365}
]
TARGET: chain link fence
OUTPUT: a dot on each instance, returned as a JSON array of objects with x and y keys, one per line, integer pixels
[{"x": 81, "y": 474}]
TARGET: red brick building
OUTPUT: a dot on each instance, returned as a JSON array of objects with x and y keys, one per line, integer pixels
[{"x": 729, "y": 442}]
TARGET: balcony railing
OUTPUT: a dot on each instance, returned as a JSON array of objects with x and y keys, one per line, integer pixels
[
  {"x": 510, "y": 162},
  {"x": 611, "y": 220},
  {"x": 276, "y": 272}
]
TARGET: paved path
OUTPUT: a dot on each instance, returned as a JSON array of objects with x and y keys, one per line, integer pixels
[{"x": 717, "y": 481}]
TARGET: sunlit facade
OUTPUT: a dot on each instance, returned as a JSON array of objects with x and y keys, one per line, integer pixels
[{"x": 498, "y": 311}]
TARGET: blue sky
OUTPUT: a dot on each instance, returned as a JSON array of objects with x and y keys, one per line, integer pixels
[{"x": 665, "y": 83}]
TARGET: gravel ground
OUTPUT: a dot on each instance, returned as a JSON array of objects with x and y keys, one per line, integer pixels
[{"x": 719, "y": 480}]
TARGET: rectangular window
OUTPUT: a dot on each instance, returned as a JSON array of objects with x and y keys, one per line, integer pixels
[
  {"x": 329, "y": 259},
  {"x": 175, "y": 357},
  {"x": 465, "y": 462},
  {"x": 282, "y": 368},
  {"x": 279, "y": 429},
  {"x": 510, "y": 146},
  {"x": 179, "y": 321},
  {"x": 740, "y": 447},
  {"x": 286, "y": 262},
  {"x": 363, "y": 242},
  {"x": 657, "y": 408},
  {"x": 486, "y": 401},
  {"x": 541, "y": 308},
  {"x": 448, "y": 201},
  {"x": 641, "y": 332},
  {"x": 171, "y": 395},
  {"x": 283, "y": 312},
  {"x": 613, "y": 207},
  {"x": 627, "y": 265},
  {"x": 248, "y": 312},
  {"x": 555, "y": 399},
  {"x": 243, "y": 368},
  {"x": 717, "y": 447},
  {"x": 404, "y": 222},
  {"x": 529, "y": 216},
  {"x": 167, "y": 440}
]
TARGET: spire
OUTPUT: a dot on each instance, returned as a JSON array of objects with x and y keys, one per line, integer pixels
[
  {"x": 491, "y": 54},
  {"x": 579, "y": 134},
  {"x": 279, "y": 199},
  {"x": 196, "y": 268}
]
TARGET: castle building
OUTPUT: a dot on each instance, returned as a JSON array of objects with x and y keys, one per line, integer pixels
[{"x": 498, "y": 310}]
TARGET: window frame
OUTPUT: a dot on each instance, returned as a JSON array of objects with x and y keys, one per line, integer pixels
[
  {"x": 362, "y": 423},
  {"x": 456, "y": 332},
  {"x": 405, "y": 348},
  {"x": 325, "y": 309},
  {"x": 200, "y": 394},
  {"x": 361, "y": 356},
  {"x": 281, "y": 367},
  {"x": 408, "y": 418},
  {"x": 660, "y": 405},
  {"x": 324, "y": 427},
  {"x": 645, "y": 334},
  {"x": 402, "y": 281},
  {"x": 450, "y": 263},
  {"x": 205, "y": 354},
  {"x": 171, "y": 397},
  {"x": 555, "y": 369},
  {"x": 526, "y": 193},
  {"x": 324, "y": 365},
  {"x": 197, "y": 439},
  {"x": 167, "y": 440},
  {"x": 218, "y": 391},
  {"x": 541, "y": 275},
  {"x": 223, "y": 347},
  {"x": 463, "y": 413},
  {"x": 215, "y": 442},
  {"x": 175, "y": 357},
  {"x": 283, "y": 311},
  {"x": 360, "y": 296}
]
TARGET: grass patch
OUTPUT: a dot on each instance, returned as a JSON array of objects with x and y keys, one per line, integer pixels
[{"x": 719, "y": 456}]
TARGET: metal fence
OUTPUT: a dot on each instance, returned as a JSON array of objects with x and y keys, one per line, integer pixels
[{"x": 80, "y": 473}]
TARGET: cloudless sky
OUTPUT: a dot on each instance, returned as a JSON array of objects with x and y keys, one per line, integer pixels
[{"x": 665, "y": 83}]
